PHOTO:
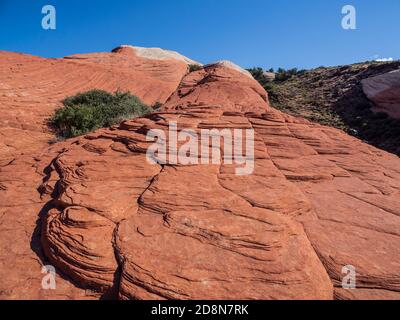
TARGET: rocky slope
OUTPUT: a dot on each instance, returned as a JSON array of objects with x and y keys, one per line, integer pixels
[
  {"x": 334, "y": 96},
  {"x": 113, "y": 223},
  {"x": 384, "y": 91},
  {"x": 31, "y": 88}
]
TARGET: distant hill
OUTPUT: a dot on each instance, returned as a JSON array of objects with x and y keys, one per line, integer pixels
[{"x": 334, "y": 96}]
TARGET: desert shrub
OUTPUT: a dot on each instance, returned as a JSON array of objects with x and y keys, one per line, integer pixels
[
  {"x": 95, "y": 109},
  {"x": 194, "y": 67},
  {"x": 259, "y": 75},
  {"x": 283, "y": 75}
]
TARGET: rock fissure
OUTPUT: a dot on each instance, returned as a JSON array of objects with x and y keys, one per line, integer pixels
[{"x": 114, "y": 223}]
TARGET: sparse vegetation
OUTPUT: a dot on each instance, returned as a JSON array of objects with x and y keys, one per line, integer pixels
[
  {"x": 194, "y": 67},
  {"x": 95, "y": 109},
  {"x": 333, "y": 96},
  {"x": 270, "y": 84},
  {"x": 283, "y": 75},
  {"x": 259, "y": 75}
]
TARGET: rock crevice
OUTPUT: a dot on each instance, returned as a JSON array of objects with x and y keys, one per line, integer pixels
[{"x": 316, "y": 201}]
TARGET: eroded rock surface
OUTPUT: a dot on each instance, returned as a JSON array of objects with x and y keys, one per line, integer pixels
[
  {"x": 384, "y": 91},
  {"x": 31, "y": 88},
  {"x": 112, "y": 222}
]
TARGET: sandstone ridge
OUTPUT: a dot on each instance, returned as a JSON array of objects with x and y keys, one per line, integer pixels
[
  {"x": 156, "y": 54},
  {"x": 121, "y": 227}
]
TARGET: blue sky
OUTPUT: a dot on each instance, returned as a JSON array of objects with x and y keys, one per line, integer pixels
[{"x": 267, "y": 33}]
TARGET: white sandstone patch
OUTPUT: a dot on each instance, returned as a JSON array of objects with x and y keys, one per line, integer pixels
[
  {"x": 231, "y": 65},
  {"x": 160, "y": 54}
]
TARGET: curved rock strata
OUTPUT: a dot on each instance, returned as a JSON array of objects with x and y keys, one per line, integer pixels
[
  {"x": 112, "y": 222},
  {"x": 202, "y": 232},
  {"x": 31, "y": 88}
]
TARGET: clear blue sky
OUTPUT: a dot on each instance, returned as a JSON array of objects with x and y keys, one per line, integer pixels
[{"x": 267, "y": 33}]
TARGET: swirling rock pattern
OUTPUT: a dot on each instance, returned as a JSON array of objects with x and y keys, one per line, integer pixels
[
  {"x": 31, "y": 88},
  {"x": 114, "y": 223}
]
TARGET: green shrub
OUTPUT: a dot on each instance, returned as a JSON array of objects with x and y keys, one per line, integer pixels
[
  {"x": 194, "y": 67},
  {"x": 259, "y": 75},
  {"x": 283, "y": 75},
  {"x": 95, "y": 109}
]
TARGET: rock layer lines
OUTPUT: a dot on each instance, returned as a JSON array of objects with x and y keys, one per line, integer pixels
[{"x": 112, "y": 222}]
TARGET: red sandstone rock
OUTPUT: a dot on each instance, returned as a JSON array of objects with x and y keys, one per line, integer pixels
[
  {"x": 112, "y": 222},
  {"x": 31, "y": 88}
]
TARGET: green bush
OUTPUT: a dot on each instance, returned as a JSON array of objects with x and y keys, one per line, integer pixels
[
  {"x": 95, "y": 109},
  {"x": 283, "y": 75},
  {"x": 258, "y": 74},
  {"x": 194, "y": 67}
]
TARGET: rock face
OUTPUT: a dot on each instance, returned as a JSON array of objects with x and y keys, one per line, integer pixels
[
  {"x": 114, "y": 223},
  {"x": 157, "y": 54},
  {"x": 31, "y": 88},
  {"x": 384, "y": 91},
  {"x": 230, "y": 65}
]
